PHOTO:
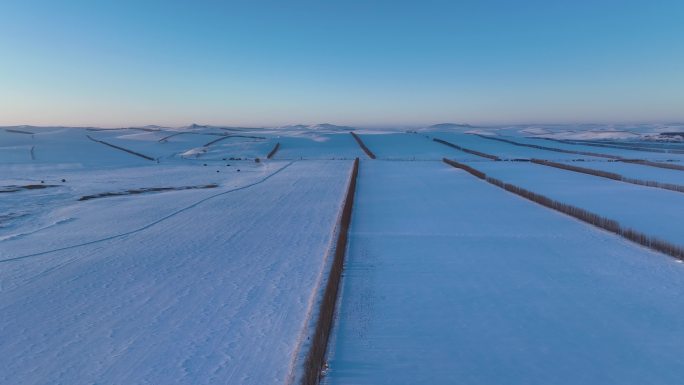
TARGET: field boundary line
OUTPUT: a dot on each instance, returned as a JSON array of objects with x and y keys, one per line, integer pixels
[
  {"x": 19, "y": 131},
  {"x": 467, "y": 150},
  {"x": 324, "y": 313},
  {"x": 363, "y": 145},
  {"x": 610, "y": 175},
  {"x": 120, "y": 148},
  {"x": 273, "y": 151},
  {"x": 224, "y": 137},
  {"x": 625, "y": 146},
  {"x": 586, "y": 153},
  {"x": 583, "y": 215}
]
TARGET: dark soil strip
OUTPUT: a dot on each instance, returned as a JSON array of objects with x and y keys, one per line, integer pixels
[
  {"x": 273, "y": 152},
  {"x": 363, "y": 145},
  {"x": 144, "y": 190},
  {"x": 467, "y": 150},
  {"x": 9, "y": 189},
  {"x": 120, "y": 148},
  {"x": 319, "y": 344},
  {"x": 33, "y": 155},
  {"x": 613, "y": 226},
  {"x": 611, "y": 175},
  {"x": 19, "y": 131}
]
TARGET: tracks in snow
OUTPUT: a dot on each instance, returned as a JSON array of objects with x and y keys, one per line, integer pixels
[{"x": 147, "y": 226}]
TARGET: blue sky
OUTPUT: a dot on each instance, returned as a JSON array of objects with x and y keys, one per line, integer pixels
[{"x": 375, "y": 63}]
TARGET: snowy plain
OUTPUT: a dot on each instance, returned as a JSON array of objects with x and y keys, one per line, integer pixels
[{"x": 196, "y": 260}]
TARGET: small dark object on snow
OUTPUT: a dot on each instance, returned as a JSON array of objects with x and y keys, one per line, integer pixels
[
  {"x": 63, "y": 180},
  {"x": 42, "y": 181},
  {"x": 218, "y": 171},
  {"x": 257, "y": 160},
  {"x": 204, "y": 164},
  {"x": 238, "y": 170},
  {"x": 224, "y": 158}
]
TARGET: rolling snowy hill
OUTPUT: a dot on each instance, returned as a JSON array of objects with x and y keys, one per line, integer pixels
[{"x": 199, "y": 254}]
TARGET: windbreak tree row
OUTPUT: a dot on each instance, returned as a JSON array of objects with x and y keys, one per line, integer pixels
[
  {"x": 579, "y": 213},
  {"x": 611, "y": 175},
  {"x": 315, "y": 358},
  {"x": 643, "y": 162},
  {"x": 467, "y": 150},
  {"x": 363, "y": 145}
]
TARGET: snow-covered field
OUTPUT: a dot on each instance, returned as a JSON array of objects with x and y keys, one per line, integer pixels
[
  {"x": 652, "y": 211},
  {"x": 157, "y": 255},
  {"x": 402, "y": 146},
  {"x": 451, "y": 280},
  {"x": 505, "y": 150}
]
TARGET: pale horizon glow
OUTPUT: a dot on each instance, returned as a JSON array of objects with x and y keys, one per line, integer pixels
[{"x": 389, "y": 63}]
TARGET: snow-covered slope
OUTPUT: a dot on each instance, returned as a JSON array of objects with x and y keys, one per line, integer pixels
[{"x": 160, "y": 255}]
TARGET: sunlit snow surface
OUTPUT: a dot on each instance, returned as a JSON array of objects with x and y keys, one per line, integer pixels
[{"x": 161, "y": 255}]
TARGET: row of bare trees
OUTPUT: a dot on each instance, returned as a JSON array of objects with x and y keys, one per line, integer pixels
[
  {"x": 667, "y": 165},
  {"x": 548, "y": 148},
  {"x": 315, "y": 358},
  {"x": 363, "y": 145},
  {"x": 120, "y": 148},
  {"x": 273, "y": 152},
  {"x": 467, "y": 150},
  {"x": 613, "y": 226},
  {"x": 643, "y": 162},
  {"x": 471, "y": 170},
  {"x": 621, "y": 145},
  {"x": 611, "y": 175}
]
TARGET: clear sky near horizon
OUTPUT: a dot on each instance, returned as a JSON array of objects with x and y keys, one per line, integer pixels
[{"x": 372, "y": 63}]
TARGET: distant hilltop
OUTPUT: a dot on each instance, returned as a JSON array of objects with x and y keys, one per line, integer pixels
[
  {"x": 196, "y": 126},
  {"x": 451, "y": 125},
  {"x": 321, "y": 126}
]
